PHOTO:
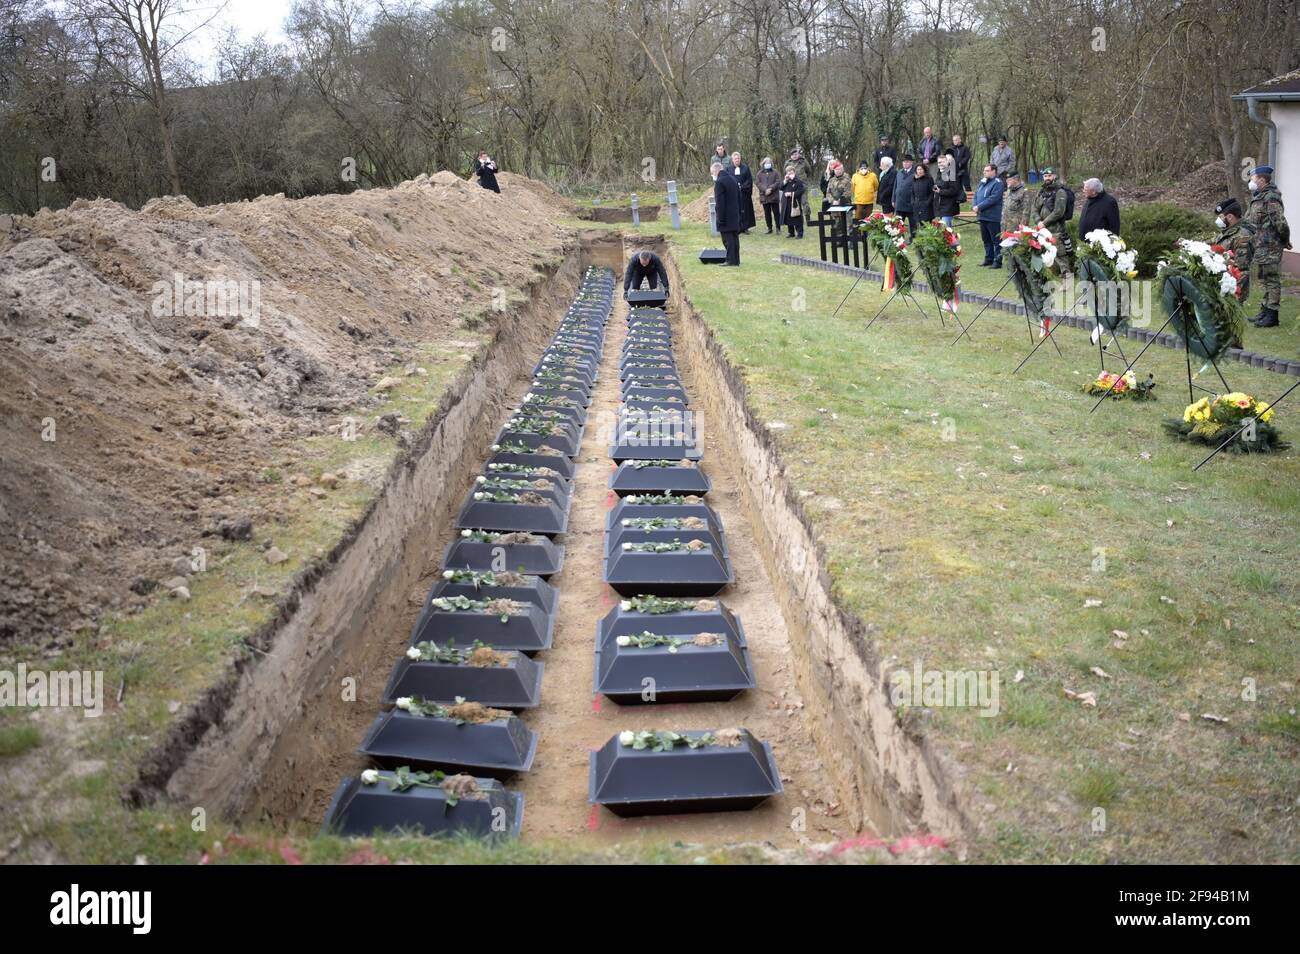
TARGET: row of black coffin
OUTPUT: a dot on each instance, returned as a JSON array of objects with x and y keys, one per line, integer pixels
[
  {"x": 626, "y": 780},
  {"x": 667, "y": 546},
  {"x": 525, "y": 489}
]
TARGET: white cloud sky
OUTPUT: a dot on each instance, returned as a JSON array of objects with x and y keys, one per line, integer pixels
[{"x": 248, "y": 17}]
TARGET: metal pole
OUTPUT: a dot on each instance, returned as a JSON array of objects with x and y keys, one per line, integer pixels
[
  {"x": 672, "y": 204},
  {"x": 713, "y": 216},
  {"x": 636, "y": 212}
]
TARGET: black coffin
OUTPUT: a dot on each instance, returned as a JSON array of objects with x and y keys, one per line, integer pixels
[
  {"x": 653, "y": 477},
  {"x": 360, "y": 810},
  {"x": 528, "y": 631},
  {"x": 514, "y": 686},
  {"x": 702, "y": 572},
  {"x": 713, "y": 778},
  {"x": 631, "y": 675},
  {"x": 541, "y": 557},
  {"x": 496, "y": 749}
]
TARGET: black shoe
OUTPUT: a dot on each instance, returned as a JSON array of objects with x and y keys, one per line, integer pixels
[
  {"x": 996, "y": 265},
  {"x": 769, "y": 231},
  {"x": 1270, "y": 319},
  {"x": 986, "y": 264}
]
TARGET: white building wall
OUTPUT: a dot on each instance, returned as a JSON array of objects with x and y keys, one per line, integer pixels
[{"x": 1286, "y": 116}]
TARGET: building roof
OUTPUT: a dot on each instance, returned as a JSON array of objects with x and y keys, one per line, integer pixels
[{"x": 1278, "y": 89}]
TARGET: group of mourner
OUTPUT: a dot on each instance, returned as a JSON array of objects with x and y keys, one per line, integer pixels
[{"x": 934, "y": 181}]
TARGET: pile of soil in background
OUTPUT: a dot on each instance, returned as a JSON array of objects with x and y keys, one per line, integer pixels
[{"x": 161, "y": 421}]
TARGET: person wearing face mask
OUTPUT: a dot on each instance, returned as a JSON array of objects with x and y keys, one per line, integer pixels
[
  {"x": 865, "y": 185},
  {"x": 769, "y": 193},
  {"x": 726, "y": 206},
  {"x": 792, "y": 202},
  {"x": 1272, "y": 234},
  {"x": 1237, "y": 237},
  {"x": 839, "y": 193}
]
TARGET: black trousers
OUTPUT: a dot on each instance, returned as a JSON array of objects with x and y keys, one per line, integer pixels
[
  {"x": 795, "y": 225},
  {"x": 731, "y": 242},
  {"x": 991, "y": 233},
  {"x": 772, "y": 215}
]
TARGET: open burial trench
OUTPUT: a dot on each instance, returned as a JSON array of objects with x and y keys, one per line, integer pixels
[{"x": 273, "y": 739}]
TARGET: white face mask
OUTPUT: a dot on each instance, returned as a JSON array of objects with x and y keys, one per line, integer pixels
[
  {"x": 767, "y": 165},
  {"x": 1219, "y": 223},
  {"x": 1254, "y": 186}
]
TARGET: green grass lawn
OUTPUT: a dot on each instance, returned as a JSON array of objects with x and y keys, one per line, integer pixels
[{"x": 972, "y": 516}]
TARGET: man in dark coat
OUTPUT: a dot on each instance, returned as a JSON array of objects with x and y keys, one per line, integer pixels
[
  {"x": 888, "y": 176},
  {"x": 884, "y": 149},
  {"x": 1100, "y": 211},
  {"x": 486, "y": 170},
  {"x": 644, "y": 265},
  {"x": 903, "y": 192},
  {"x": 726, "y": 206},
  {"x": 922, "y": 196},
  {"x": 745, "y": 179}
]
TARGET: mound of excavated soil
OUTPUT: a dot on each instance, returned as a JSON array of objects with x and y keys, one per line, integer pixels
[{"x": 128, "y": 427}]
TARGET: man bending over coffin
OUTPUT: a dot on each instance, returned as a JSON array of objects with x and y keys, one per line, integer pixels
[{"x": 644, "y": 265}]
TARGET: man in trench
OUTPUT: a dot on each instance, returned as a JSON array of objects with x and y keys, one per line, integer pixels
[{"x": 644, "y": 265}]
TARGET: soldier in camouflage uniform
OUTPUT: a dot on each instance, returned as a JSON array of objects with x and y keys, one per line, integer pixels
[
  {"x": 1015, "y": 203},
  {"x": 839, "y": 191},
  {"x": 1050, "y": 212},
  {"x": 1237, "y": 237},
  {"x": 1272, "y": 234}
]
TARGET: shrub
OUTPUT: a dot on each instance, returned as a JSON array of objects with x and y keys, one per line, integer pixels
[{"x": 1151, "y": 228}]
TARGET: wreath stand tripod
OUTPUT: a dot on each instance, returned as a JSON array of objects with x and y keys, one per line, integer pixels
[
  {"x": 1102, "y": 349},
  {"x": 897, "y": 291},
  {"x": 1192, "y": 387}
]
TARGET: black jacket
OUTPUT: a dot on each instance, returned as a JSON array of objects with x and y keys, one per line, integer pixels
[
  {"x": 726, "y": 202},
  {"x": 923, "y": 198},
  {"x": 795, "y": 188},
  {"x": 949, "y": 196},
  {"x": 744, "y": 178},
  {"x": 1101, "y": 212},
  {"x": 889, "y": 151},
  {"x": 654, "y": 271},
  {"x": 487, "y": 175},
  {"x": 885, "y": 193},
  {"x": 962, "y": 156}
]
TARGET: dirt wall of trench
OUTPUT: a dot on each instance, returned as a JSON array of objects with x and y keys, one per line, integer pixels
[{"x": 272, "y": 739}]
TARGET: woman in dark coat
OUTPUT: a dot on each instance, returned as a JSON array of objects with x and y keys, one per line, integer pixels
[
  {"x": 948, "y": 192},
  {"x": 744, "y": 179},
  {"x": 486, "y": 170},
  {"x": 792, "y": 204},
  {"x": 769, "y": 193},
  {"x": 922, "y": 195}
]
